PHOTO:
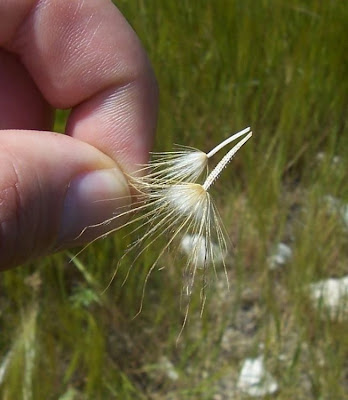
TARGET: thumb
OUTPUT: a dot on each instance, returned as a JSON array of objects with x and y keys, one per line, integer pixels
[{"x": 51, "y": 188}]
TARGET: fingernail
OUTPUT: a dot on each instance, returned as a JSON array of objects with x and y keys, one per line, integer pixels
[{"x": 94, "y": 198}]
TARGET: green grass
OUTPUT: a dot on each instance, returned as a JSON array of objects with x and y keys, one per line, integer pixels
[{"x": 279, "y": 67}]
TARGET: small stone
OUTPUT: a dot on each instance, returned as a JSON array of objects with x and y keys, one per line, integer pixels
[
  {"x": 254, "y": 380},
  {"x": 337, "y": 207},
  {"x": 332, "y": 294},
  {"x": 281, "y": 256},
  {"x": 198, "y": 244},
  {"x": 336, "y": 160},
  {"x": 167, "y": 367},
  {"x": 321, "y": 157}
]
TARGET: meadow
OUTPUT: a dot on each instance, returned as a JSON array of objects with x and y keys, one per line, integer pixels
[{"x": 281, "y": 68}]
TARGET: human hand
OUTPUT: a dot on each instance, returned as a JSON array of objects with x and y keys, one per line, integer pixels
[{"x": 73, "y": 54}]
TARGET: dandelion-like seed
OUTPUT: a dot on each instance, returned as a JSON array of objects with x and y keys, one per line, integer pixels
[
  {"x": 172, "y": 203},
  {"x": 184, "y": 164}
]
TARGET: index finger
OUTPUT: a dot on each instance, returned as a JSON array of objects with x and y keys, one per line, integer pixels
[{"x": 82, "y": 54}]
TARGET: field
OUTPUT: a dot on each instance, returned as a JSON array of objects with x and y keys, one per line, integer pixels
[{"x": 281, "y": 68}]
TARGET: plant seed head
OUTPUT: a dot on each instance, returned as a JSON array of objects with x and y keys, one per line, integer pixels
[
  {"x": 188, "y": 199},
  {"x": 185, "y": 165}
]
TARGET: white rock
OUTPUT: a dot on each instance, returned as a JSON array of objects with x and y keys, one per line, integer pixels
[
  {"x": 167, "y": 367},
  {"x": 332, "y": 294},
  {"x": 321, "y": 156},
  {"x": 254, "y": 380},
  {"x": 280, "y": 257},
  {"x": 335, "y": 206},
  {"x": 196, "y": 243},
  {"x": 336, "y": 160}
]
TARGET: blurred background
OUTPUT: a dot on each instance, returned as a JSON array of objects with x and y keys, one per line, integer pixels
[{"x": 281, "y": 330}]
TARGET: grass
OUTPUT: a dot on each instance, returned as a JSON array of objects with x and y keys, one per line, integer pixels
[{"x": 280, "y": 68}]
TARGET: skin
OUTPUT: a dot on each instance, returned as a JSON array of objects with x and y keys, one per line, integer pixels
[{"x": 83, "y": 55}]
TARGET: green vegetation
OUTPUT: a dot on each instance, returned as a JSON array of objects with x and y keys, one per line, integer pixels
[{"x": 279, "y": 67}]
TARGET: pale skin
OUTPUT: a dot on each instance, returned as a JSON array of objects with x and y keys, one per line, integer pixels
[{"x": 83, "y": 55}]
